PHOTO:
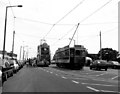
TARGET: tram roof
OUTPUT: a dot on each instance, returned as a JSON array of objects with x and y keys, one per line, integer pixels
[
  {"x": 44, "y": 45},
  {"x": 75, "y": 47}
]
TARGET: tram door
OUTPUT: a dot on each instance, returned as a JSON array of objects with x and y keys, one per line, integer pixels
[{"x": 72, "y": 54}]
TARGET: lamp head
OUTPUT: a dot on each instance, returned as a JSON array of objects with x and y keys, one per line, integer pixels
[{"x": 19, "y": 6}]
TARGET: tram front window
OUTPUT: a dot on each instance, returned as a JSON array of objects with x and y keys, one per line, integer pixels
[
  {"x": 45, "y": 51},
  {"x": 78, "y": 52},
  {"x": 71, "y": 52}
]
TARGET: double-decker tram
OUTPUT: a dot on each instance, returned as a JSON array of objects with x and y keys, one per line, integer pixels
[
  {"x": 71, "y": 57},
  {"x": 43, "y": 55}
]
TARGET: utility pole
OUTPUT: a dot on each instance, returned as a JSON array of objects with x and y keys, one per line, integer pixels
[
  {"x": 20, "y": 52},
  {"x": 13, "y": 43},
  {"x": 4, "y": 41},
  {"x": 100, "y": 46},
  {"x": 23, "y": 53}
]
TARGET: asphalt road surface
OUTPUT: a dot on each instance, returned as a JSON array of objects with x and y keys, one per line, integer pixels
[{"x": 53, "y": 79}]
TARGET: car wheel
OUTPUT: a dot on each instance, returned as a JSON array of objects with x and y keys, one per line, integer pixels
[
  {"x": 105, "y": 69},
  {"x": 11, "y": 73},
  {"x": 99, "y": 68},
  {"x": 114, "y": 67},
  {"x": 5, "y": 77},
  {"x": 90, "y": 68}
]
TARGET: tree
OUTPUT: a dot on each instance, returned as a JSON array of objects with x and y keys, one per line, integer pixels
[{"x": 108, "y": 54}]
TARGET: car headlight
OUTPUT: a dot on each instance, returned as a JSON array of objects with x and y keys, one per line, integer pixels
[{"x": 98, "y": 62}]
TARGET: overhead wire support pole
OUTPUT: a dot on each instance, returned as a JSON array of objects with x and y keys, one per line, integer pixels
[
  {"x": 20, "y": 52},
  {"x": 74, "y": 33},
  {"x": 100, "y": 46},
  {"x": 13, "y": 43}
]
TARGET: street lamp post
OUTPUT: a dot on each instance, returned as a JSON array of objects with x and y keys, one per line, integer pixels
[
  {"x": 5, "y": 28},
  {"x": 13, "y": 43},
  {"x": 24, "y": 52}
]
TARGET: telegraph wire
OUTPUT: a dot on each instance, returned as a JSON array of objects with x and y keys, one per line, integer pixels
[
  {"x": 64, "y": 35},
  {"x": 64, "y": 17},
  {"x": 33, "y": 36},
  {"x": 110, "y": 30},
  {"x": 100, "y": 23},
  {"x": 30, "y": 20},
  {"x": 97, "y": 35},
  {"x": 49, "y": 31},
  {"x": 11, "y": 8},
  {"x": 70, "y": 11},
  {"x": 95, "y": 11},
  {"x": 89, "y": 16}
]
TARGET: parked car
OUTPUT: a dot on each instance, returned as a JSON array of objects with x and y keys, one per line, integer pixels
[
  {"x": 20, "y": 64},
  {"x": 14, "y": 64},
  {"x": 114, "y": 64},
  {"x": 99, "y": 64},
  {"x": 6, "y": 68},
  {"x": 0, "y": 76}
]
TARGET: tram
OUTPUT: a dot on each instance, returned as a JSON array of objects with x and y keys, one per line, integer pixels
[
  {"x": 71, "y": 57},
  {"x": 43, "y": 55}
]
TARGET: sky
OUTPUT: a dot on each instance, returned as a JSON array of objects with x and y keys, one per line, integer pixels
[{"x": 56, "y": 22}]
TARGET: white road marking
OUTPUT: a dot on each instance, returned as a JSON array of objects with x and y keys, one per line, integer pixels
[
  {"x": 101, "y": 74},
  {"x": 75, "y": 82},
  {"x": 93, "y": 89},
  {"x": 64, "y": 77},
  {"x": 98, "y": 80},
  {"x": 51, "y": 72},
  {"x": 79, "y": 78},
  {"x": 0, "y": 90},
  {"x": 109, "y": 91},
  {"x": 114, "y": 77},
  {"x": 96, "y": 84}
]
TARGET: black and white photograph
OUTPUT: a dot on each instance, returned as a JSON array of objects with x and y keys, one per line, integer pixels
[{"x": 60, "y": 46}]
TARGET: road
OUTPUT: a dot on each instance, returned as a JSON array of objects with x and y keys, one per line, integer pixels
[{"x": 53, "y": 79}]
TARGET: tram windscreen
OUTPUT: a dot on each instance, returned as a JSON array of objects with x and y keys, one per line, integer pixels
[
  {"x": 80, "y": 53},
  {"x": 45, "y": 50},
  {"x": 71, "y": 52}
]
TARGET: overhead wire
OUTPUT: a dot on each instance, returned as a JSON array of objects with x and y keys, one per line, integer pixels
[
  {"x": 30, "y": 20},
  {"x": 97, "y": 35},
  {"x": 110, "y": 30},
  {"x": 64, "y": 35},
  {"x": 63, "y": 17},
  {"x": 95, "y": 11},
  {"x": 93, "y": 14},
  {"x": 33, "y": 36},
  {"x": 90, "y": 16},
  {"x": 11, "y": 8},
  {"x": 70, "y": 11},
  {"x": 49, "y": 31}
]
